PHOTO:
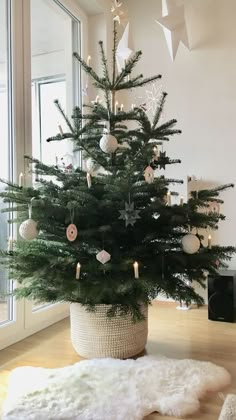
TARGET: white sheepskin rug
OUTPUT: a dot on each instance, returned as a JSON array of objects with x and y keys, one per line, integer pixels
[{"x": 110, "y": 389}]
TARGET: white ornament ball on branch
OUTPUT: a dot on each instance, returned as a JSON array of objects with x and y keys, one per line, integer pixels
[
  {"x": 91, "y": 165},
  {"x": 29, "y": 229},
  {"x": 190, "y": 243},
  {"x": 108, "y": 143}
]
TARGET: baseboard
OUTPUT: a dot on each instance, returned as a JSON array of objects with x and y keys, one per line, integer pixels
[{"x": 15, "y": 338}]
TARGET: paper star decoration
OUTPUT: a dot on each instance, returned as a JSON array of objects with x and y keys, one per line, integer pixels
[
  {"x": 116, "y": 5},
  {"x": 119, "y": 15},
  {"x": 153, "y": 98},
  {"x": 123, "y": 51},
  {"x": 174, "y": 25},
  {"x": 130, "y": 215}
]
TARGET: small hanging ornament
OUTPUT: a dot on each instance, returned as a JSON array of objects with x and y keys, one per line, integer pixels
[
  {"x": 190, "y": 243},
  {"x": 129, "y": 215},
  {"x": 162, "y": 160},
  {"x": 149, "y": 174},
  {"x": 214, "y": 207},
  {"x": 103, "y": 256},
  {"x": 91, "y": 166},
  {"x": 28, "y": 230},
  {"x": 156, "y": 153},
  {"x": 67, "y": 163},
  {"x": 108, "y": 143},
  {"x": 71, "y": 231}
]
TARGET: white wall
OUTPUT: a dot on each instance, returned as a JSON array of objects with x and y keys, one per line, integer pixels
[{"x": 202, "y": 92}]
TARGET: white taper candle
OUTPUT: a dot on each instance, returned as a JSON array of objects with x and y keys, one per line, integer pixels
[
  {"x": 209, "y": 242},
  {"x": 60, "y": 129},
  {"x": 136, "y": 270},
  {"x": 168, "y": 198},
  {"x": 10, "y": 244},
  {"x": 21, "y": 179},
  {"x": 78, "y": 267},
  {"x": 89, "y": 180}
]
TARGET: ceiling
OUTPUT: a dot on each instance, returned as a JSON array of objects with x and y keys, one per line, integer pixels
[
  {"x": 91, "y": 7},
  {"x": 48, "y": 23}
]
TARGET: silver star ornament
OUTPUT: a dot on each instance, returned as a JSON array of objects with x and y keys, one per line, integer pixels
[{"x": 129, "y": 215}]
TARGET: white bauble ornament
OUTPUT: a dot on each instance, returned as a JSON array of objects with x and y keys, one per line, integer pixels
[
  {"x": 108, "y": 143},
  {"x": 91, "y": 165},
  {"x": 190, "y": 243},
  {"x": 28, "y": 229}
]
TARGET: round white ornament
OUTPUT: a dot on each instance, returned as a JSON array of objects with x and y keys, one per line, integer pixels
[
  {"x": 190, "y": 243},
  {"x": 108, "y": 143},
  {"x": 28, "y": 229},
  {"x": 91, "y": 165}
]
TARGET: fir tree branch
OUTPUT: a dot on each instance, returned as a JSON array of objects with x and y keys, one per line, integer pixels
[
  {"x": 57, "y": 103},
  {"x": 60, "y": 137},
  {"x": 159, "y": 110},
  {"x": 132, "y": 84},
  {"x": 132, "y": 61},
  {"x": 98, "y": 81},
  {"x": 104, "y": 63},
  {"x": 114, "y": 53}
]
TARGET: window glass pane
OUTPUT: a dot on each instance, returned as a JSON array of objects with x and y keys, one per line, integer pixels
[
  {"x": 53, "y": 33},
  {"x": 54, "y": 37},
  {"x": 43, "y": 95},
  {"x": 6, "y": 306}
]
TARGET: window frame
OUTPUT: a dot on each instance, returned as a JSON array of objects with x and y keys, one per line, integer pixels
[{"x": 20, "y": 14}]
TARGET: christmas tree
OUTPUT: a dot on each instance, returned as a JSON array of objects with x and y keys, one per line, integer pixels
[{"x": 106, "y": 232}]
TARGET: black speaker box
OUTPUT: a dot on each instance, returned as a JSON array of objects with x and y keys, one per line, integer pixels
[{"x": 222, "y": 296}]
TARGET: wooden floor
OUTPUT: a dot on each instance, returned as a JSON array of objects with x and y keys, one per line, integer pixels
[
  {"x": 3, "y": 312},
  {"x": 180, "y": 334}
]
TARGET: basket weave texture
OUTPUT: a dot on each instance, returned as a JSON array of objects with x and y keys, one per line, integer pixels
[{"x": 94, "y": 335}]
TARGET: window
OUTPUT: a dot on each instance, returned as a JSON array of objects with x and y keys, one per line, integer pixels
[
  {"x": 6, "y": 304},
  {"x": 44, "y": 92},
  {"x": 46, "y": 32},
  {"x": 55, "y": 36}
]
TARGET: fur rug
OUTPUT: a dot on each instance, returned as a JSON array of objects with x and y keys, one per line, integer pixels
[
  {"x": 110, "y": 389},
  {"x": 228, "y": 411}
]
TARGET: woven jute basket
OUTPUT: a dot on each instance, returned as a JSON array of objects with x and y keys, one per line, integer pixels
[{"x": 94, "y": 335}]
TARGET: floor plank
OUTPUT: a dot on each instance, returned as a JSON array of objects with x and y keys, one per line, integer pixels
[{"x": 173, "y": 333}]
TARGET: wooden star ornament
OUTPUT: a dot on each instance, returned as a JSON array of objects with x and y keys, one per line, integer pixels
[{"x": 173, "y": 23}]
